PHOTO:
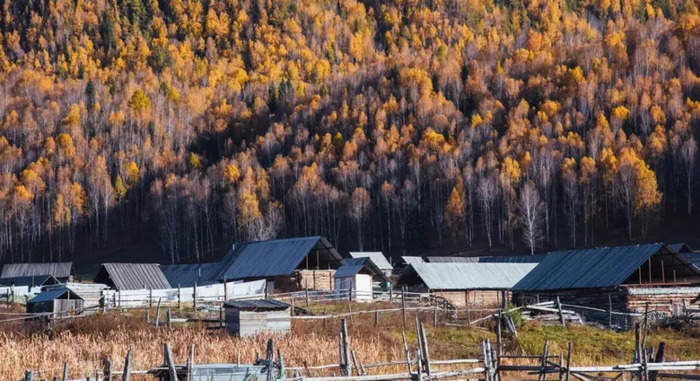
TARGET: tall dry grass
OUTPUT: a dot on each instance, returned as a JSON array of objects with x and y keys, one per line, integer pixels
[{"x": 84, "y": 342}]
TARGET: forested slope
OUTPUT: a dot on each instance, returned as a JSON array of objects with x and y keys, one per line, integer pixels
[{"x": 380, "y": 125}]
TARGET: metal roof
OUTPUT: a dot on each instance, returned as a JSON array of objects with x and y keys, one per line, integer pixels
[
  {"x": 267, "y": 304},
  {"x": 29, "y": 281},
  {"x": 469, "y": 276},
  {"x": 694, "y": 258},
  {"x": 376, "y": 256},
  {"x": 48, "y": 296},
  {"x": 411, "y": 260},
  {"x": 274, "y": 258},
  {"x": 60, "y": 270},
  {"x": 132, "y": 276},
  {"x": 187, "y": 275},
  {"x": 494, "y": 259},
  {"x": 590, "y": 268},
  {"x": 353, "y": 266},
  {"x": 680, "y": 247}
]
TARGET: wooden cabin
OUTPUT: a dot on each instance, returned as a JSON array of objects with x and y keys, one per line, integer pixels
[
  {"x": 466, "y": 284},
  {"x": 291, "y": 264},
  {"x": 60, "y": 302},
  {"x": 625, "y": 278},
  {"x": 247, "y": 318}
]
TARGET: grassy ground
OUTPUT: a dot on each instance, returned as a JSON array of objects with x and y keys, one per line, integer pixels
[{"x": 84, "y": 342}]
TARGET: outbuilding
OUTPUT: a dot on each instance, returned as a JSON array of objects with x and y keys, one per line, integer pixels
[
  {"x": 377, "y": 258},
  {"x": 61, "y": 302},
  {"x": 466, "y": 284},
  {"x": 247, "y": 318},
  {"x": 624, "y": 278},
  {"x": 355, "y": 280}
]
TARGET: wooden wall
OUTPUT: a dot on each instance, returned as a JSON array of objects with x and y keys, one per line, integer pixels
[
  {"x": 476, "y": 298},
  {"x": 58, "y": 306},
  {"x": 313, "y": 279},
  {"x": 624, "y": 299}
]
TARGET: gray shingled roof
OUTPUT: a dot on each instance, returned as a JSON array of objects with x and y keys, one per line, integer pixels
[
  {"x": 592, "y": 268},
  {"x": 376, "y": 256},
  {"x": 187, "y": 275},
  {"x": 132, "y": 276},
  {"x": 468, "y": 276},
  {"x": 60, "y": 270},
  {"x": 274, "y": 258}
]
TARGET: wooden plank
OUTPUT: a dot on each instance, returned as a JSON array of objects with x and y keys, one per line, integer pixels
[
  {"x": 126, "y": 375},
  {"x": 169, "y": 362}
]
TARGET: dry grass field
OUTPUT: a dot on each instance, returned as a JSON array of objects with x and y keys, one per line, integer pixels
[{"x": 84, "y": 342}]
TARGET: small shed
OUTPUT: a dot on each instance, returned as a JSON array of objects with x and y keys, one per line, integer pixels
[
  {"x": 378, "y": 258},
  {"x": 355, "y": 279},
  {"x": 63, "y": 301},
  {"x": 246, "y": 318}
]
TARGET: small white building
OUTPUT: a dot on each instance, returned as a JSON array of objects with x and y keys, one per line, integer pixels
[
  {"x": 378, "y": 258},
  {"x": 355, "y": 280}
]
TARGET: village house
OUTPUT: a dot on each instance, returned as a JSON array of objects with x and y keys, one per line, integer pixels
[
  {"x": 287, "y": 264},
  {"x": 625, "y": 278},
  {"x": 466, "y": 284}
]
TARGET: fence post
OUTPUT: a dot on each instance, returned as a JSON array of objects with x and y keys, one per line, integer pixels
[
  {"x": 225, "y": 290},
  {"x": 306, "y": 292},
  {"x": 179, "y": 298},
  {"x": 194, "y": 297},
  {"x": 65, "y": 371},
  {"x": 150, "y": 298},
  {"x": 403, "y": 305},
  {"x": 610, "y": 311},
  {"x": 561, "y": 314},
  {"x": 108, "y": 369},
  {"x": 391, "y": 293},
  {"x": 126, "y": 376},
  {"x": 169, "y": 318}
]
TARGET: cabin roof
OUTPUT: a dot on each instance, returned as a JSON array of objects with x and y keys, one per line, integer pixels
[
  {"x": 132, "y": 276},
  {"x": 592, "y": 268},
  {"x": 273, "y": 258},
  {"x": 468, "y": 276}
]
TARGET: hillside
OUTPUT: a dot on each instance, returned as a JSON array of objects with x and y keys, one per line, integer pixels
[{"x": 181, "y": 126}]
